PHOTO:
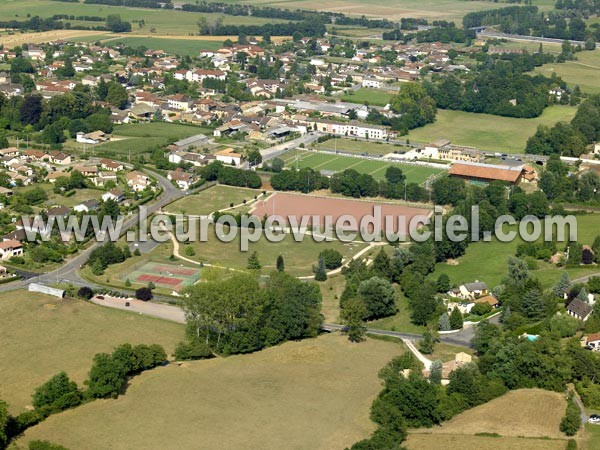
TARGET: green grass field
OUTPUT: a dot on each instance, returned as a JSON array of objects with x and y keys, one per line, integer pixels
[
  {"x": 299, "y": 257},
  {"x": 42, "y": 335},
  {"x": 172, "y": 46},
  {"x": 162, "y": 22},
  {"x": 582, "y": 72},
  {"x": 400, "y": 321},
  {"x": 141, "y": 137},
  {"x": 314, "y": 394},
  {"x": 488, "y": 132},
  {"x": 487, "y": 261},
  {"x": 325, "y": 161},
  {"x": 377, "y": 97},
  {"x": 359, "y": 147},
  {"x": 212, "y": 199}
]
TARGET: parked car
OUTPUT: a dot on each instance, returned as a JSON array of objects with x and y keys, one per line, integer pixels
[{"x": 595, "y": 419}]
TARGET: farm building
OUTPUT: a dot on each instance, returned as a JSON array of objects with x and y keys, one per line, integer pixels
[
  {"x": 485, "y": 173},
  {"x": 43, "y": 289},
  {"x": 195, "y": 141}
]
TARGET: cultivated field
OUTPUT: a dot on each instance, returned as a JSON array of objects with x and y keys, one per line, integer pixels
[
  {"x": 582, "y": 72},
  {"x": 182, "y": 47},
  {"x": 313, "y": 394},
  {"x": 157, "y": 21},
  {"x": 486, "y": 131},
  {"x": 465, "y": 442},
  {"x": 338, "y": 163},
  {"x": 212, "y": 199},
  {"x": 42, "y": 335},
  {"x": 296, "y": 205},
  {"x": 13, "y": 40},
  {"x": 517, "y": 417},
  {"x": 393, "y": 9}
]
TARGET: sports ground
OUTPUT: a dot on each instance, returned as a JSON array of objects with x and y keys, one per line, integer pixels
[
  {"x": 338, "y": 163},
  {"x": 163, "y": 275},
  {"x": 298, "y": 205}
]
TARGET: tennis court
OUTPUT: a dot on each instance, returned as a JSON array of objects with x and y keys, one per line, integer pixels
[{"x": 163, "y": 275}]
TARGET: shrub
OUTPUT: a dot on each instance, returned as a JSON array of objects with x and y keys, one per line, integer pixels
[
  {"x": 571, "y": 422},
  {"x": 85, "y": 292},
  {"x": 57, "y": 394},
  {"x": 192, "y": 350},
  {"x": 480, "y": 309},
  {"x": 144, "y": 294},
  {"x": 45, "y": 445},
  {"x": 332, "y": 258}
]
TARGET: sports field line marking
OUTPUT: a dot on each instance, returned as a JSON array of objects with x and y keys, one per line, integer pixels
[
  {"x": 377, "y": 170},
  {"x": 353, "y": 165},
  {"x": 329, "y": 161}
]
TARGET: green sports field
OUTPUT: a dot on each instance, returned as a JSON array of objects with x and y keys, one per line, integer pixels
[
  {"x": 377, "y": 97},
  {"x": 181, "y": 47},
  {"x": 337, "y": 163}
]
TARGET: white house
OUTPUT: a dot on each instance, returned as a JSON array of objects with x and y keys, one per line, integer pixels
[
  {"x": 113, "y": 194},
  {"x": 10, "y": 248},
  {"x": 229, "y": 156}
]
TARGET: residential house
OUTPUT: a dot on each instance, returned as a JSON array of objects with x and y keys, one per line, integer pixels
[
  {"x": 183, "y": 180},
  {"x": 179, "y": 102},
  {"x": 10, "y": 248},
  {"x": 95, "y": 137},
  {"x": 110, "y": 165},
  {"x": 137, "y": 181},
  {"x": 87, "y": 206},
  {"x": 593, "y": 341},
  {"x": 59, "y": 158},
  {"x": 579, "y": 309},
  {"x": 461, "y": 359},
  {"x": 470, "y": 291},
  {"x": 113, "y": 194}
]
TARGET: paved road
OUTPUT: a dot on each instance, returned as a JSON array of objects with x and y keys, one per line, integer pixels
[
  {"x": 68, "y": 271},
  {"x": 277, "y": 150},
  {"x": 524, "y": 38}
]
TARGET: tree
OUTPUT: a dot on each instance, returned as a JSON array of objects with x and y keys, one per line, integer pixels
[
  {"x": 280, "y": 264},
  {"x": 352, "y": 317},
  {"x": 563, "y": 285},
  {"x": 320, "y": 272},
  {"x": 443, "y": 283},
  {"x": 456, "y": 319},
  {"x": 379, "y": 297},
  {"x": 435, "y": 372},
  {"x": 192, "y": 350},
  {"x": 85, "y": 292},
  {"x": 144, "y": 294},
  {"x": 107, "y": 376},
  {"x": 31, "y": 110},
  {"x": 253, "y": 262},
  {"x": 394, "y": 175},
  {"x": 117, "y": 95},
  {"x": 381, "y": 265},
  {"x": 571, "y": 422},
  {"x": 4, "y": 420},
  {"x": 331, "y": 258},
  {"x": 277, "y": 165},
  {"x": 444, "y": 323},
  {"x": 57, "y": 394},
  {"x": 254, "y": 157},
  {"x": 427, "y": 343}
]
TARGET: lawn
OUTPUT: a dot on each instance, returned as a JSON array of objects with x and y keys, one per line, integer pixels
[
  {"x": 472, "y": 442},
  {"x": 582, "y": 72},
  {"x": 172, "y": 46},
  {"x": 299, "y": 257},
  {"x": 313, "y": 394},
  {"x": 592, "y": 433},
  {"x": 42, "y": 335},
  {"x": 142, "y": 137},
  {"x": 332, "y": 290},
  {"x": 359, "y": 146},
  {"x": 401, "y": 320},
  {"x": 377, "y": 97},
  {"x": 486, "y": 131},
  {"x": 338, "y": 163},
  {"x": 212, "y": 199}
]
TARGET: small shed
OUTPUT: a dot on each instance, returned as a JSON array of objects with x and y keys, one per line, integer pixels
[{"x": 43, "y": 289}]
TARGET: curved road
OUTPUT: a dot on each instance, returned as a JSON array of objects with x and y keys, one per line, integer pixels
[{"x": 68, "y": 271}]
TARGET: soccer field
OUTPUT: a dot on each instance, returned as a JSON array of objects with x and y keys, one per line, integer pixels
[{"x": 338, "y": 163}]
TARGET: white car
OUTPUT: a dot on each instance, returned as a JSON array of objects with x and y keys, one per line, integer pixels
[{"x": 595, "y": 419}]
